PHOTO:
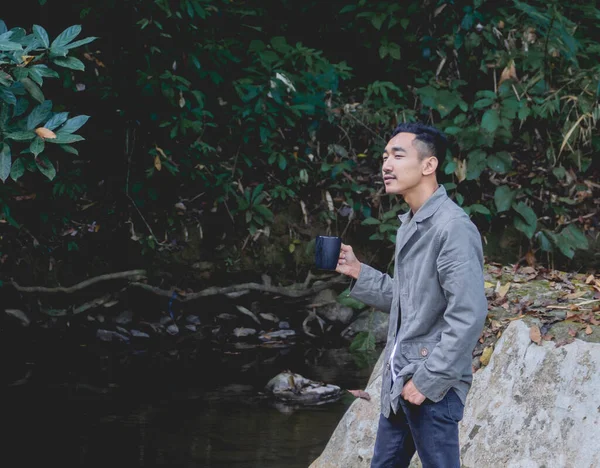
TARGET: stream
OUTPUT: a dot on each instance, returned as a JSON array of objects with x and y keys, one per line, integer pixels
[{"x": 90, "y": 405}]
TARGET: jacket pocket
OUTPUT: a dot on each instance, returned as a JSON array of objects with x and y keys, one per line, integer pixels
[{"x": 417, "y": 350}]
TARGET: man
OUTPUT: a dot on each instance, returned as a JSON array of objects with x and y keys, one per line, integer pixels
[{"x": 436, "y": 302}]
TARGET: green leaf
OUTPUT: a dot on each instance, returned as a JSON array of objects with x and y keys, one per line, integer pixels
[
  {"x": 36, "y": 76},
  {"x": 7, "y": 45},
  {"x": 5, "y": 162},
  {"x": 80, "y": 43},
  {"x": 66, "y": 36},
  {"x": 345, "y": 299},
  {"x": 450, "y": 168},
  {"x": 69, "y": 149},
  {"x": 483, "y": 103},
  {"x": 37, "y": 146},
  {"x": 476, "y": 163},
  {"x": 257, "y": 190},
  {"x": 69, "y": 62},
  {"x": 5, "y": 79},
  {"x": 503, "y": 198},
  {"x": 39, "y": 114},
  {"x": 45, "y": 166},
  {"x": 282, "y": 162},
  {"x": 559, "y": 172},
  {"x": 477, "y": 208},
  {"x": 544, "y": 241},
  {"x": 490, "y": 121},
  {"x": 74, "y": 124},
  {"x": 363, "y": 342},
  {"x": 41, "y": 34},
  {"x": 17, "y": 170},
  {"x": 33, "y": 89},
  {"x": 56, "y": 120},
  {"x": 45, "y": 71},
  {"x": 65, "y": 138},
  {"x": 264, "y": 212},
  {"x": 500, "y": 162},
  {"x": 527, "y": 221},
  {"x": 8, "y": 97},
  {"x": 21, "y": 136},
  {"x": 574, "y": 237},
  {"x": 394, "y": 51},
  {"x": 383, "y": 51},
  {"x": 370, "y": 222}
]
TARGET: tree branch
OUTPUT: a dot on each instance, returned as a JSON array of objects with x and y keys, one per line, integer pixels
[
  {"x": 215, "y": 291},
  {"x": 137, "y": 274}
]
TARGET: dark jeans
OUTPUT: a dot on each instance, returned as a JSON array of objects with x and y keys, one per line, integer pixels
[{"x": 431, "y": 428}]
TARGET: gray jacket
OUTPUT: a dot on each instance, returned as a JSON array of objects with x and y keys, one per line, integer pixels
[{"x": 436, "y": 301}]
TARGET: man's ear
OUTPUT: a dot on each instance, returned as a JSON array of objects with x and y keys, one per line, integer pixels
[{"x": 430, "y": 165}]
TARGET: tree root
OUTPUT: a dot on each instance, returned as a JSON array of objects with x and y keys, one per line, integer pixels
[
  {"x": 288, "y": 291},
  {"x": 133, "y": 274}
]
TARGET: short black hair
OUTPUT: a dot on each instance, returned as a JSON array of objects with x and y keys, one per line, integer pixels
[{"x": 434, "y": 140}]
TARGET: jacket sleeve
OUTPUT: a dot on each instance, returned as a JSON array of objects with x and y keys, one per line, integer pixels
[
  {"x": 460, "y": 273},
  {"x": 373, "y": 288}
]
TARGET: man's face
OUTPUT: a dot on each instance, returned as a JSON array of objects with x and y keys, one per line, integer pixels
[{"x": 402, "y": 167}]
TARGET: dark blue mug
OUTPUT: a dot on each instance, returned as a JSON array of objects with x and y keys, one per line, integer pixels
[{"x": 327, "y": 252}]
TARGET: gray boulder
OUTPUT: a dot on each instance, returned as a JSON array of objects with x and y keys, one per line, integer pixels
[
  {"x": 532, "y": 406},
  {"x": 291, "y": 388},
  {"x": 374, "y": 320}
]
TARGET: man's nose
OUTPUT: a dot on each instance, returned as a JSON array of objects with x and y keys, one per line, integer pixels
[{"x": 386, "y": 167}]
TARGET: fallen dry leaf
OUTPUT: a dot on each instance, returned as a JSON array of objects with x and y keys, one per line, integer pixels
[
  {"x": 535, "y": 334},
  {"x": 589, "y": 279},
  {"x": 530, "y": 258},
  {"x": 572, "y": 332},
  {"x": 45, "y": 134},
  {"x": 588, "y": 330},
  {"x": 503, "y": 290},
  {"x": 361, "y": 394},
  {"x": 510, "y": 72},
  {"x": 486, "y": 356},
  {"x": 575, "y": 295}
]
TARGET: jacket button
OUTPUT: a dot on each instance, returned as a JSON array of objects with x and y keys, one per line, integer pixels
[{"x": 424, "y": 352}]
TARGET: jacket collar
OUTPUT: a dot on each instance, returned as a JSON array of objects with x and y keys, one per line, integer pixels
[{"x": 430, "y": 206}]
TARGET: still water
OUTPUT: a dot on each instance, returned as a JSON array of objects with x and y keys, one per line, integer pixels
[{"x": 196, "y": 407}]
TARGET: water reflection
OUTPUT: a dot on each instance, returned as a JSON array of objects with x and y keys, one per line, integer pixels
[{"x": 189, "y": 413}]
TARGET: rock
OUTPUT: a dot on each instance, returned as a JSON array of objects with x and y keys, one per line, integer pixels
[
  {"x": 165, "y": 319},
  {"x": 534, "y": 402},
  {"x": 139, "y": 334},
  {"x": 274, "y": 335},
  {"x": 108, "y": 335},
  {"x": 191, "y": 327},
  {"x": 324, "y": 297},
  {"x": 192, "y": 319},
  {"x": 291, "y": 388},
  {"x": 375, "y": 321},
  {"x": 226, "y": 316},
  {"x": 351, "y": 445},
  {"x": 337, "y": 313},
  {"x": 173, "y": 329},
  {"x": 532, "y": 406},
  {"x": 239, "y": 332},
  {"x": 284, "y": 325},
  {"x": 270, "y": 317},
  {"x": 19, "y": 315},
  {"x": 124, "y": 317}
]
